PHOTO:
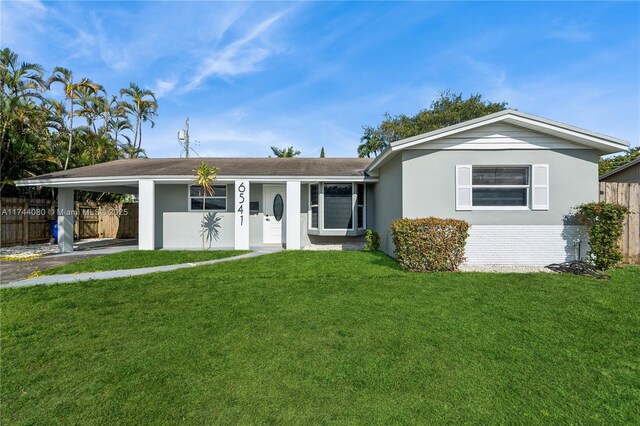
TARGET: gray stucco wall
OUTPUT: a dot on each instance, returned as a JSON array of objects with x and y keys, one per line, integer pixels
[
  {"x": 177, "y": 227},
  {"x": 388, "y": 195},
  {"x": 428, "y": 185}
]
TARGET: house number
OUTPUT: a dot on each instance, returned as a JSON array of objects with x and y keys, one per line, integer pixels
[{"x": 241, "y": 191}]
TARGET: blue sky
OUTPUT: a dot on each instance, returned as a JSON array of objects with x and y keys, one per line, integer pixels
[{"x": 253, "y": 75}]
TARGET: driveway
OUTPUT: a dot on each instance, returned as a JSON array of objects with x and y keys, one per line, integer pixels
[{"x": 17, "y": 270}]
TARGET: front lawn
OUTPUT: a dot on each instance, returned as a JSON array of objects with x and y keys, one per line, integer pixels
[
  {"x": 132, "y": 259},
  {"x": 323, "y": 337}
]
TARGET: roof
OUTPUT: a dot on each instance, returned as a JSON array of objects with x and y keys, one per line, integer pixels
[
  {"x": 603, "y": 143},
  {"x": 621, "y": 168},
  {"x": 171, "y": 168}
]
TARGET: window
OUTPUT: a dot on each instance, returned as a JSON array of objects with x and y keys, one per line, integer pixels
[
  {"x": 338, "y": 206},
  {"x": 314, "y": 199},
  {"x": 500, "y": 186},
  {"x": 360, "y": 220},
  {"x": 216, "y": 201}
]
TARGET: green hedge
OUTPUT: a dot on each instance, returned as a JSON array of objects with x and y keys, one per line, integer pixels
[
  {"x": 605, "y": 223},
  {"x": 372, "y": 241},
  {"x": 429, "y": 244}
]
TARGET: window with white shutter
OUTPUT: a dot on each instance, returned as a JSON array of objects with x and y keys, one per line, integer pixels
[{"x": 502, "y": 187}]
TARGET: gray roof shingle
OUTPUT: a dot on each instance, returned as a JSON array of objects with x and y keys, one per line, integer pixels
[{"x": 226, "y": 167}]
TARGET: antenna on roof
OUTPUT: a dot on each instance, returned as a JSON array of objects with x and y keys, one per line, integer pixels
[{"x": 183, "y": 139}]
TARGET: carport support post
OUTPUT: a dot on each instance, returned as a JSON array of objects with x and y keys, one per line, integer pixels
[
  {"x": 146, "y": 214},
  {"x": 292, "y": 219},
  {"x": 65, "y": 220},
  {"x": 242, "y": 215}
]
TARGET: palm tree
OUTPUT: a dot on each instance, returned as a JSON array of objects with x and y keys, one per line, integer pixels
[
  {"x": 288, "y": 152},
  {"x": 143, "y": 105},
  {"x": 21, "y": 82},
  {"x": 117, "y": 126},
  {"x": 72, "y": 91},
  {"x": 130, "y": 151},
  {"x": 371, "y": 144},
  {"x": 205, "y": 177}
]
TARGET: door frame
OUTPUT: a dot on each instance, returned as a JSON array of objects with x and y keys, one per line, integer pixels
[{"x": 264, "y": 211}]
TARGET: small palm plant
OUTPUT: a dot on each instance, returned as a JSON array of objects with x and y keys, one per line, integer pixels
[{"x": 205, "y": 177}]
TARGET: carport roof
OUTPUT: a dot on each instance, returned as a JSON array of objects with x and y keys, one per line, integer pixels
[{"x": 183, "y": 168}]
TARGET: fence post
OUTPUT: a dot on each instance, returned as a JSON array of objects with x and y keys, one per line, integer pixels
[{"x": 25, "y": 223}]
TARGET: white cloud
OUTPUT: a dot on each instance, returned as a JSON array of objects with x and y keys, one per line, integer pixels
[
  {"x": 164, "y": 87},
  {"x": 242, "y": 56},
  {"x": 571, "y": 34}
]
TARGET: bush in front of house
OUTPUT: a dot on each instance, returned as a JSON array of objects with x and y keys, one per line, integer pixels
[
  {"x": 372, "y": 241},
  {"x": 429, "y": 244},
  {"x": 605, "y": 224}
]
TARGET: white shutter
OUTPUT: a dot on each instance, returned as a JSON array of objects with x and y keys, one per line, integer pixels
[
  {"x": 539, "y": 187},
  {"x": 463, "y": 187}
]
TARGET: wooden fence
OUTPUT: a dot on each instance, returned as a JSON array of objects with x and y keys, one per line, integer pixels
[
  {"x": 626, "y": 194},
  {"x": 24, "y": 221}
]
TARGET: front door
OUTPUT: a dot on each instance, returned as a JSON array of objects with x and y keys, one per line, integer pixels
[{"x": 274, "y": 198}]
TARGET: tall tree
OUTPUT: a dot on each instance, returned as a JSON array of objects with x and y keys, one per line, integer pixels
[
  {"x": 143, "y": 105},
  {"x": 205, "y": 177},
  {"x": 288, "y": 152},
  {"x": 322, "y": 152},
  {"x": 446, "y": 110},
  {"x": 72, "y": 91}
]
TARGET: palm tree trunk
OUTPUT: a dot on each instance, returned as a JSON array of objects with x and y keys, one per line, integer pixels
[
  {"x": 66, "y": 163},
  {"x": 139, "y": 139},
  {"x": 203, "y": 204}
]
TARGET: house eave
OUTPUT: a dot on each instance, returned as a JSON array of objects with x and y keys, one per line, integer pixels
[
  {"x": 133, "y": 180},
  {"x": 590, "y": 140}
]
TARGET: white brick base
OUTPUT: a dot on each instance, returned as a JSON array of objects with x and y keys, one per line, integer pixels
[{"x": 523, "y": 244}]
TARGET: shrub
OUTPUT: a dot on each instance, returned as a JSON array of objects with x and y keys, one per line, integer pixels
[
  {"x": 372, "y": 241},
  {"x": 604, "y": 221},
  {"x": 429, "y": 244}
]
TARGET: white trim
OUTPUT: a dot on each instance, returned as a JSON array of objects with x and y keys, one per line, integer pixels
[
  {"x": 364, "y": 206},
  {"x": 293, "y": 191},
  {"x": 527, "y": 187},
  {"x": 309, "y": 213},
  {"x": 264, "y": 210},
  {"x": 226, "y": 198},
  {"x": 537, "y": 187},
  {"x": 241, "y": 213},
  {"x": 500, "y": 207},
  {"x": 146, "y": 215},
  {"x": 463, "y": 205}
]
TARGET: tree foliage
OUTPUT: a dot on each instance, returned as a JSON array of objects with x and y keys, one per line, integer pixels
[
  {"x": 605, "y": 224},
  {"x": 41, "y": 133},
  {"x": 288, "y": 152},
  {"x": 608, "y": 164},
  {"x": 446, "y": 110}
]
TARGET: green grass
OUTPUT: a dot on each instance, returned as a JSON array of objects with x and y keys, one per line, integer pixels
[
  {"x": 132, "y": 259},
  {"x": 323, "y": 337}
]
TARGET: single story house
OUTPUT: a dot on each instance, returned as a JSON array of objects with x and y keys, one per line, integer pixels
[
  {"x": 627, "y": 173},
  {"x": 513, "y": 177}
]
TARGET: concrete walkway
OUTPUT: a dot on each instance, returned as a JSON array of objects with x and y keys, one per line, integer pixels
[{"x": 105, "y": 275}]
